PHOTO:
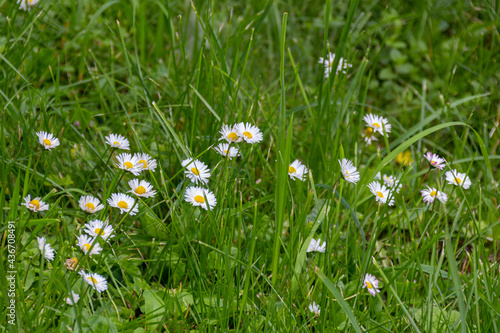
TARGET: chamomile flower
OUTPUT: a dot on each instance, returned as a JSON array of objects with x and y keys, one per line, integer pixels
[
  {"x": 71, "y": 264},
  {"x": 436, "y": 160},
  {"x": 47, "y": 140},
  {"x": 199, "y": 196},
  {"x": 145, "y": 161},
  {"x": 431, "y": 194},
  {"x": 226, "y": 150},
  {"x": 96, "y": 228},
  {"x": 230, "y": 134},
  {"x": 90, "y": 204},
  {"x": 124, "y": 202},
  {"x": 391, "y": 182},
  {"x": 97, "y": 281},
  {"x": 27, "y": 4},
  {"x": 369, "y": 135},
  {"x": 196, "y": 171},
  {"x": 330, "y": 60},
  {"x": 249, "y": 132},
  {"x": 381, "y": 193},
  {"x": 45, "y": 248},
  {"x": 314, "y": 308},
  {"x": 376, "y": 123},
  {"x": 35, "y": 205},
  {"x": 141, "y": 188},
  {"x": 129, "y": 163},
  {"x": 349, "y": 171},
  {"x": 117, "y": 141},
  {"x": 371, "y": 283},
  {"x": 85, "y": 243},
  {"x": 72, "y": 298},
  {"x": 458, "y": 179},
  {"x": 316, "y": 246},
  {"x": 297, "y": 170}
]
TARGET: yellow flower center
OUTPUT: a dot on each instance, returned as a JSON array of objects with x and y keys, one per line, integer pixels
[
  {"x": 35, "y": 203},
  {"x": 47, "y": 141},
  {"x": 247, "y": 134},
  {"x": 195, "y": 171},
  {"x": 232, "y": 136},
  {"x": 86, "y": 246},
  {"x": 434, "y": 162},
  {"x": 379, "y": 194},
  {"x": 369, "y": 285},
  {"x": 116, "y": 143},
  {"x": 346, "y": 173},
  {"x": 128, "y": 165},
  {"x": 368, "y": 132},
  {"x": 140, "y": 190},
  {"x": 122, "y": 204},
  {"x": 145, "y": 164},
  {"x": 433, "y": 193},
  {"x": 291, "y": 169},
  {"x": 90, "y": 205},
  {"x": 98, "y": 230},
  {"x": 71, "y": 263},
  {"x": 225, "y": 152},
  {"x": 376, "y": 125},
  {"x": 458, "y": 180},
  {"x": 94, "y": 281},
  {"x": 199, "y": 199}
]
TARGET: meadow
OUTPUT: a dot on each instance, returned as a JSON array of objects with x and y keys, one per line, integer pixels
[{"x": 249, "y": 166}]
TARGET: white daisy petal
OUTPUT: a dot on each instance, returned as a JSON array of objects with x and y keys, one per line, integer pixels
[
  {"x": 35, "y": 205},
  {"x": 328, "y": 63},
  {"x": 129, "y": 163},
  {"x": 90, "y": 204},
  {"x": 124, "y": 202},
  {"x": 458, "y": 179},
  {"x": 391, "y": 182},
  {"x": 199, "y": 196},
  {"x": 47, "y": 140},
  {"x": 141, "y": 188},
  {"x": 349, "y": 171},
  {"x": 249, "y": 132},
  {"x": 314, "y": 308},
  {"x": 435, "y": 160},
  {"x": 146, "y": 161},
  {"x": 376, "y": 123},
  {"x": 297, "y": 170},
  {"x": 46, "y": 249},
  {"x": 96, "y": 228},
  {"x": 316, "y": 246},
  {"x": 26, "y": 5},
  {"x": 431, "y": 194},
  {"x": 371, "y": 283},
  {"x": 85, "y": 243},
  {"x": 230, "y": 134},
  {"x": 97, "y": 281},
  {"x": 196, "y": 171},
  {"x": 226, "y": 150},
  {"x": 117, "y": 141},
  {"x": 72, "y": 298},
  {"x": 381, "y": 193}
]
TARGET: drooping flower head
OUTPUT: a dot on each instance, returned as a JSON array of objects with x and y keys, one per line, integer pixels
[
  {"x": 47, "y": 140},
  {"x": 141, "y": 188},
  {"x": 435, "y": 160},
  {"x": 97, "y": 281},
  {"x": 297, "y": 170},
  {"x": 458, "y": 179},
  {"x": 35, "y": 205},
  {"x": 124, "y": 202},
  {"x": 314, "y": 308},
  {"x": 46, "y": 249},
  {"x": 226, "y": 150},
  {"x": 377, "y": 123},
  {"x": 349, "y": 171},
  {"x": 249, "y": 133},
  {"x": 90, "y": 204},
  {"x": 330, "y": 60},
  {"x": 85, "y": 243},
  {"x": 371, "y": 283},
  {"x": 129, "y": 163},
  {"x": 72, "y": 298},
  {"x": 431, "y": 194},
  {"x": 230, "y": 134},
  {"x": 198, "y": 196},
  {"x": 117, "y": 141},
  {"x": 316, "y": 246},
  {"x": 196, "y": 171},
  {"x": 71, "y": 264},
  {"x": 145, "y": 161},
  {"x": 96, "y": 228},
  {"x": 381, "y": 193}
]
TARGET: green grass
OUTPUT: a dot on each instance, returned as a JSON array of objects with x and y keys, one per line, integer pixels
[{"x": 167, "y": 75}]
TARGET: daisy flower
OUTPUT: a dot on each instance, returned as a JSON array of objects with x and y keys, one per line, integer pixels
[
  {"x": 249, "y": 132},
  {"x": 145, "y": 161},
  {"x": 90, "y": 204},
  {"x": 314, "y": 308},
  {"x": 436, "y": 160},
  {"x": 85, "y": 243},
  {"x": 46, "y": 249},
  {"x": 431, "y": 194},
  {"x": 230, "y": 134},
  {"x": 371, "y": 283},
  {"x": 196, "y": 171},
  {"x": 381, "y": 193},
  {"x": 71, "y": 263},
  {"x": 297, "y": 170},
  {"x": 125, "y": 202},
  {"x": 72, "y": 299},
  {"x": 141, "y": 188},
  {"x": 35, "y": 205},
  {"x": 196, "y": 196},
  {"x": 128, "y": 162},
  {"x": 117, "y": 141},
  {"x": 376, "y": 123},
  {"x": 368, "y": 135},
  {"x": 349, "y": 171},
  {"x": 329, "y": 61},
  {"x": 378, "y": 176},
  {"x": 27, "y": 4},
  {"x": 225, "y": 150},
  {"x": 316, "y": 246},
  {"x": 47, "y": 140},
  {"x": 390, "y": 181},
  {"x": 97, "y": 281},
  {"x": 458, "y": 179},
  {"x": 96, "y": 228}
]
